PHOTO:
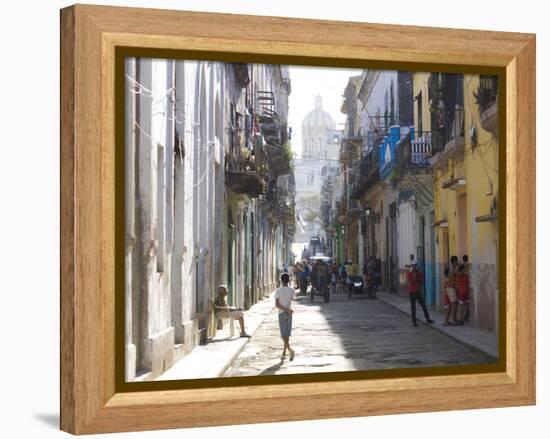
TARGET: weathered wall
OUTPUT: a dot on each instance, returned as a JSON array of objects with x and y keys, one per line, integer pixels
[
  {"x": 176, "y": 183},
  {"x": 479, "y": 240},
  {"x": 181, "y": 242},
  {"x": 482, "y": 179},
  {"x": 422, "y": 122}
]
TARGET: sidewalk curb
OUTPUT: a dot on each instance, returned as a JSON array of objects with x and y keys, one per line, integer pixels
[
  {"x": 204, "y": 362},
  {"x": 473, "y": 344},
  {"x": 225, "y": 367}
]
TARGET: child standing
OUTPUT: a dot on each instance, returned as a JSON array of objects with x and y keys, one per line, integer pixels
[
  {"x": 463, "y": 292},
  {"x": 446, "y": 300}
]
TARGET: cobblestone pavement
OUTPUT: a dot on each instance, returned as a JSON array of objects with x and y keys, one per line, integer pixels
[{"x": 347, "y": 335}]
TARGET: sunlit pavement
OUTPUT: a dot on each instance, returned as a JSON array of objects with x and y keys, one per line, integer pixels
[{"x": 347, "y": 335}]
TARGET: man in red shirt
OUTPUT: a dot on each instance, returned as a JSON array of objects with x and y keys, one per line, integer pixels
[{"x": 414, "y": 280}]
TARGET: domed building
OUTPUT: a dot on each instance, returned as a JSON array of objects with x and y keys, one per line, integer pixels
[
  {"x": 316, "y": 128},
  {"x": 320, "y": 150}
]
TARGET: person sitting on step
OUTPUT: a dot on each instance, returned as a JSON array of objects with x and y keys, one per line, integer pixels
[{"x": 234, "y": 313}]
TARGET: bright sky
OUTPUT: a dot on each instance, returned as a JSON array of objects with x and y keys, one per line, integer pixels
[{"x": 306, "y": 83}]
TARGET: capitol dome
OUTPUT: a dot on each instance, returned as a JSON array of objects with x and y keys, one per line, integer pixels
[
  {"x": 318, "y": 118},
  {"x": 316, "y": 127}
]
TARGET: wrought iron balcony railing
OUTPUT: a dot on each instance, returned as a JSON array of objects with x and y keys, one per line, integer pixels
[
  {"x": 277, "y": 204},
  {"x": 413, "y": 154},
  {"x": 418, "y": 150},
  {"x": 245, "y": 182},
  {"x": 449, "y": 128},
  {"x": 365, "y": 173},
  {"x": 245, "y": 172}
]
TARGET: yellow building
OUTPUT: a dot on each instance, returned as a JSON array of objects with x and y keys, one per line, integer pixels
[{"x": 464, "y": 124}]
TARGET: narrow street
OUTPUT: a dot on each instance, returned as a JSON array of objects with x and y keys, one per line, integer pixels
[
  {"x": 348, "y": 335},
  {"x": 238, "y": 172}
]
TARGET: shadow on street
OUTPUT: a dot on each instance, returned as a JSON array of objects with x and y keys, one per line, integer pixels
[
  {"x": 271, "y": 370},
  {"x": 373, "y": 335}
]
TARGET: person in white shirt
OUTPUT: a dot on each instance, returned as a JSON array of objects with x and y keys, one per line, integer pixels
[{"x": 283, "y": 299}]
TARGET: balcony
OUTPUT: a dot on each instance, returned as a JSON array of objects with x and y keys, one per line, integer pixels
[
  {"x": 452, "y": 137},
  {"x": 266, "y": 101},
  {"x": 245, "y": 182},
  {"x": 412, "y": 171},
  {"x": 271, "y": 129},
  {"x": 489, "y": 119},
  {"x": 246, "y": 167},
  {"x": 277, "y": 211},
  {"x": 285, "y": 214},
  {"x": 349, "y": 210},
  {"x": 413, "y": 154},
  {"x": 244, "y": 171},
  {"x": 364, "y": 174},
  {"x": 350, "y": 150},
  {"x": 243, "y": 178},
  {"x": 486, "y": 97},
  {"x": 417, "y": 151},
  {"x": 278, "y": 158},
  {"x": 278, "y": 154}
]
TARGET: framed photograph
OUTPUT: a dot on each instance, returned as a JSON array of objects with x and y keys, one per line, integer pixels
[{"x": 259, "y": 213}]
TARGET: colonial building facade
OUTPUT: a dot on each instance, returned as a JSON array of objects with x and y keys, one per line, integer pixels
[
  {"x": 419, "y": 176},
  {"x": 209, "y": 199}
]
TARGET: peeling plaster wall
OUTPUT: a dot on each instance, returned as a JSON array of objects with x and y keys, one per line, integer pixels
[
  {"x": 482, "y": 177},
  {"x": 480, "y": 239},
  {"x": 176, "y": 185},
  {"x": 179, "y": 241}
]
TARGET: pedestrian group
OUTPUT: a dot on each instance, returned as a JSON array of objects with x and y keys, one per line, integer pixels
[{"x": 456, "y": 291}]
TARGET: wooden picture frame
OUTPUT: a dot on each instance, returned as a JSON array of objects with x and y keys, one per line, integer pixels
[{"x": 90, "y": 38}]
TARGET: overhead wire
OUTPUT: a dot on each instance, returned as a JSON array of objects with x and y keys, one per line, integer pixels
[{"x": 147, "y": 92}]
